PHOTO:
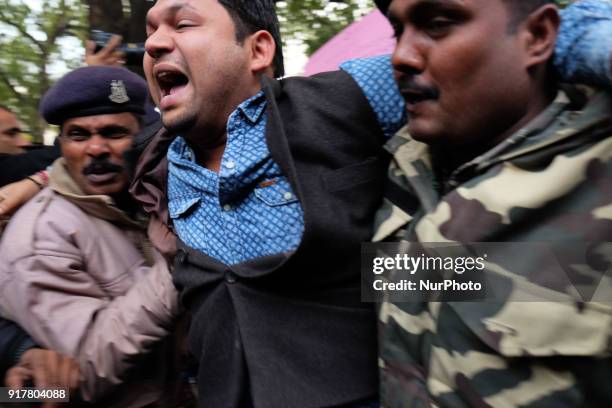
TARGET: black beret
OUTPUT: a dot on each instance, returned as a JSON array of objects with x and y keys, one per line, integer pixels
[
  {"x": 383, "y": 5},
  {"x": 94, "y": 90}
]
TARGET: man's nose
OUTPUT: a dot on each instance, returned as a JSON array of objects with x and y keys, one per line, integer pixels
[
  {"x": 158, "y": 43},
  {"x": 409, "y": 55},
  {"x": 97, "y": 146}
]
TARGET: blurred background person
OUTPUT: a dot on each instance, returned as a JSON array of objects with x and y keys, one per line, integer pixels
[
  {"x": 11, "y": 136},
  {"x": 18, "y": 158}
]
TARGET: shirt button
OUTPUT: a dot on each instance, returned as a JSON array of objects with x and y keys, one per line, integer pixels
[
  {"x": 230, "y": 277},
  {"x": 288, "y": 196},
  {"x": 230, "y": 165},
  {"x": 227, "y": 207}
]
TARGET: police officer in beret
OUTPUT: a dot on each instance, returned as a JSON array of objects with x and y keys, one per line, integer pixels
[{"x": 76, "y": 268}]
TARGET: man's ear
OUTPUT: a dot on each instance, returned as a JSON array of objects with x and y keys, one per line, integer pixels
[
  {"x": 263, "y": 48},
  {"x": 540, "y": 34}
]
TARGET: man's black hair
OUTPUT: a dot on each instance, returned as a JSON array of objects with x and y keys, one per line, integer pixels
[
  {"x": 520, "y": 10},
  {"x": 251, "y": 16}
]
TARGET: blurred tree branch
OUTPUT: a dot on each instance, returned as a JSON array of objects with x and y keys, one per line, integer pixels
[{"x": 29, "y": 47}]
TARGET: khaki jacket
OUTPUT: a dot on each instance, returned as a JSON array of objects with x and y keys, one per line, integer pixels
[{"x": 77, "y": 275}]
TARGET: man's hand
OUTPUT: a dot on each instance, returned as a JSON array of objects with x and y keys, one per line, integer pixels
[
  {"x": 108, "y": 55},
  {"x": 45, "y": 369},
  {"x": 14, "y": 195}
]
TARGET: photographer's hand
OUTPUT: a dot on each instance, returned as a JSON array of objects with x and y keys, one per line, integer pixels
[{"x": 108, "y": 55}]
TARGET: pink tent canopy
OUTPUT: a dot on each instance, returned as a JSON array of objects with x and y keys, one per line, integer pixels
[{"x": 372, "y": 35}]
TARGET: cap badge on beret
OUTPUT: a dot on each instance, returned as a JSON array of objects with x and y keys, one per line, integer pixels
[{"x": 118, "y": 92}]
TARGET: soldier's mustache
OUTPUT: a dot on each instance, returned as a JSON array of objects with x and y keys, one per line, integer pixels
[
  {"x": 102, "y": 167},
  {"x": 409, "y": 86}
]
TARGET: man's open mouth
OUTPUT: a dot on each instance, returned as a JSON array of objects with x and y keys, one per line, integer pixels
[
  {"x": 170, "y": 81},
  {"x": 102, "y": 172}
]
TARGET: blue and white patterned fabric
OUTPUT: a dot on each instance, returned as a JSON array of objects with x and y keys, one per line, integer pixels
[
  {"x": 249, "y": 210},
  {"x": 584, "y": 45},
  {"x": 375, "y": 77}
]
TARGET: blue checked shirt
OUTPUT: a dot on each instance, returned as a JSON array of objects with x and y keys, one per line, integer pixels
[{"x": 249, "y": 210}]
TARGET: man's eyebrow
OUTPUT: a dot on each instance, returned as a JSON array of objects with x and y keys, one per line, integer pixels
[
  {"x": 76, "y": 127},
  {"x": 113, "y": 128},
  {"x": 424, "y": 5},
  {"x": 442, "y": 2},
  {"x": 173, "y": 9}
]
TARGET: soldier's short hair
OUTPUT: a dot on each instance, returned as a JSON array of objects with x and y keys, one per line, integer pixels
[
  {"x": 254, "y": 15},
  {"x": 520, "y": 9}
]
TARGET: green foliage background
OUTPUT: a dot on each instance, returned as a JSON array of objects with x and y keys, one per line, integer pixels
[
  {"x": 29, "y": 46},
  {"x": 314, "y": 22}
]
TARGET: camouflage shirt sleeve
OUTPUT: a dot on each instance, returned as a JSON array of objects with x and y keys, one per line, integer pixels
[{"x": 584, "y": 48}]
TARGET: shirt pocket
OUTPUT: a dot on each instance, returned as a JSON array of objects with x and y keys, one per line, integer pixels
[
  {"x": 182, "y": 206},
  {"x": 276, "y": 192},
  {"x": 281, "y": 223}
]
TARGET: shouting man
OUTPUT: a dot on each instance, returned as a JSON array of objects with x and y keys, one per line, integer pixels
[{"x": 271, "y": 186}]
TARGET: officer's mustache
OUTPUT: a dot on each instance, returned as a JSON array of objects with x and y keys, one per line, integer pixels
[{"x": 101, "y": 167}]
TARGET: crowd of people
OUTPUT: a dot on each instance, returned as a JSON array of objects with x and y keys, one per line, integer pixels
[{"x": 210, "y": 257}]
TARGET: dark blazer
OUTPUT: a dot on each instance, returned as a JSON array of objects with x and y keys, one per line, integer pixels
[{"x": 290, "y": 330}]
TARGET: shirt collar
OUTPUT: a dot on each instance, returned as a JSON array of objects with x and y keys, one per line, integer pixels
[{"x": 253, "y": 107}]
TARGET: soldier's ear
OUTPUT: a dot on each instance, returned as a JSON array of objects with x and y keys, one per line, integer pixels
[{"x": 539, "y": 35}]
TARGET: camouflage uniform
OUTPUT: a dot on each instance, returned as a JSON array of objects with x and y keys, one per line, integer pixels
[{"x": 551, "y": 181}]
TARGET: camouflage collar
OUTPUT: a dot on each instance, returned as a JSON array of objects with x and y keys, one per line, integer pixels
[{"x": 558, "y": 122}]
